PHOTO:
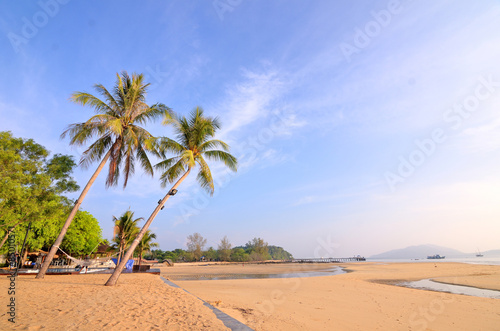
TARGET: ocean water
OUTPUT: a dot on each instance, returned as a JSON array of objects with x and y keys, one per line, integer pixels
[
  {"x": 428, "y": 284},
  {"x": 298, "y": 274},
  {"x": 486, "y": 260}
]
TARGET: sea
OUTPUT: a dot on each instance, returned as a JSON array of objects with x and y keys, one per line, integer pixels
[{"x": 486, "y": 260}]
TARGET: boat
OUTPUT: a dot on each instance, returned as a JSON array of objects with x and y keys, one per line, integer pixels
[
  {"x": 435, "y": 257},
  {"x": 478, "y": 254}
]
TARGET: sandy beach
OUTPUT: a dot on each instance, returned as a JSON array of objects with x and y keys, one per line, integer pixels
[
  {"x": 359, "y": 300},
  {"x": 82, "y": 302}
]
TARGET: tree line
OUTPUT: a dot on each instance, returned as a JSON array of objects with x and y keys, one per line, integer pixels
[
  {"x": 254, "y": 250},
  {"x": 32, "y": 188}
]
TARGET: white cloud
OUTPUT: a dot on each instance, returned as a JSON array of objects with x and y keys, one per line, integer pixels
[{"x": 251, "y": 100}]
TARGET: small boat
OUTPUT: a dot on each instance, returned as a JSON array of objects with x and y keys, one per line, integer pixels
[
  {"x": 61, "y": 271},
  {"x": 478, "y": 254},
  {"x": 435, "y": 257}
]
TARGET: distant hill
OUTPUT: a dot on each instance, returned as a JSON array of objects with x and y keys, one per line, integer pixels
[
  {"x": 278, "y": 253},
  {"x": 419, "y": 252},
  {"x": 492, "y": 253}
]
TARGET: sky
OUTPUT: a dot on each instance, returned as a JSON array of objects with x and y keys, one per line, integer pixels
[{"x": 359, "y": 127}]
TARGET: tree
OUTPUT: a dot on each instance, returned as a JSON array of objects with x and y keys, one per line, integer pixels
[
  {"x": 145, "y": 245},
  {"x": 224, "y": 249},
  {"x": 83, "y": 236},
  {"x": 119, "y": 137},
  {"x": 238, "y": 254},
  {"x": 210, "y": 254},
  {"x": 195, "y": 244},
  {"x": 157, "y": 254},
  {"x": 31, "y": 186},
  {"x": 257, "y": 248},
  {"x": 278, "y": 253},
  {"x": 195, "y": 143},
  {"x": 180, "y": 255},
  {"x": 124, "y": 231}
]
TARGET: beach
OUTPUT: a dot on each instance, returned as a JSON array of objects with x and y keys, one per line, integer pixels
[
  {"x": 359, "y": 300},
  {"x": 82, "y": 302},
  {"x": 362, "y": 299}
]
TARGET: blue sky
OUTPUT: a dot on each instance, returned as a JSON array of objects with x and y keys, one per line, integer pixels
[{"x": 359, "y": 127}]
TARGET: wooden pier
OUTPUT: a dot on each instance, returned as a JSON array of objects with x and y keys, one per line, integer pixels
[{"x": 330, "y": 260}]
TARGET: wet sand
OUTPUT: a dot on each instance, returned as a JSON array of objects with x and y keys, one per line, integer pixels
[{"x": 359, "y": 300}]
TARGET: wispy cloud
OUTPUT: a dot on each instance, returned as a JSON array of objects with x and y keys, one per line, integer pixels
[
  {"x": 254, "y": 98},
  {"x": 311, "y": 199},
  {"x": 480, "y": 139}
]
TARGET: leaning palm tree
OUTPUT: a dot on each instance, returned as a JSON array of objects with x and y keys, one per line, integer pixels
[
  {"x": 194, "y": 144},
  {"x": 145, "y": 245},
  {"x": 125, "y": 230},
  {"x": 120, "y": 138}
]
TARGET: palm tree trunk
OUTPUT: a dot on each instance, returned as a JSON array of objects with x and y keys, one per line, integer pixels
[
  {"x": 118, "y": 270},
  {"x": 120, "y": 252},
  {"x": 140, "y": 259},
  {"x": 65, "y": 228}
]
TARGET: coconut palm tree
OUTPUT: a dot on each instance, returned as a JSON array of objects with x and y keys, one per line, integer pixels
[
  {"x": 194, "y": 143},
  {"x": 125, "y": 230},
  {"x": 120, "y": 138},
  {"x": 145, "y": 245}
]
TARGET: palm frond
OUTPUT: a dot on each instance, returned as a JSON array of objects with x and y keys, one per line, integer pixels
[
  {"x": 214, "y": 143},
  {"x": 205, "y": 176},
  {"x": 114, "y": 162},
  {"x": 169, "y": 145},
  {"x": 118, "y": 116},
  {"x": 188, "y": 158},
  {"x": 111, "y": 102},
  {"x": 154, "y": 112},
  {"x": 165, "y": 164},
  {"x": 172, "y": 173},
  {"x": 229, "y": 160},
  {"x": 144, "y": 160},
  {"x": 193, "y": 143},
  {"x": 96, "y": 151},
  {"x": 84, "y": 98},
  {"x": 129, "y": 167}
]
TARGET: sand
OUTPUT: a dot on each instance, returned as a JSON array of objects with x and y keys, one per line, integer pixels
[
  {"x": 360, "y": 300},
  {"x": 82, "y": 302}
]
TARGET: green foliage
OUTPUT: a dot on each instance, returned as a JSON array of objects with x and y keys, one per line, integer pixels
[
  {"x": 210, "y": 254},
  {"x": 177, "y": 255},
  {"x": 119, "y": 115},
  {"x": 194, "y": 144},
  {"x": 238, "y": 254},
  {"x": 31, "y": 188},
  {"x": 146, "y": 243},
  {"x": 125, "y": 230},
  {"x": 257, "y": 249},
  {"x": 195, "y": 244},
  {"x": 278, "y": 253},
  {"x": 43, "y": 231},
  {"x": 83, "y": 236},
  {"x": 224, "y": 249},
  {"x": 58, "y": 167}
]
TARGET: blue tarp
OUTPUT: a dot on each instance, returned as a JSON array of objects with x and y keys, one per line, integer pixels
[{"x": 129, "y": 265}]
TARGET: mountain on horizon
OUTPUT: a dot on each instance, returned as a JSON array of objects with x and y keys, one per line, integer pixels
[
  {"x": 419, "y": 252},
  {"x": 492, "y": 253}
]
